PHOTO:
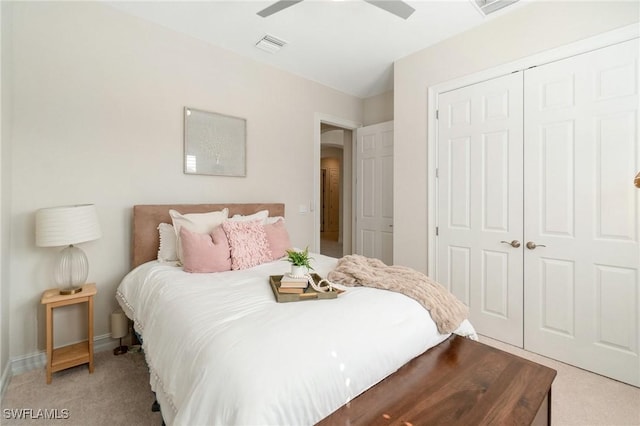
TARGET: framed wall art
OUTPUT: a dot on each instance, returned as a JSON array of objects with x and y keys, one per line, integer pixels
[{"x": 214, "y": 144}]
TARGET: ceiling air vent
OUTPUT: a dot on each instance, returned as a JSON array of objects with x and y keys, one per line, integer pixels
[
  {"x": 489, "y": 6},
  {"x": 270, "y": 44}
]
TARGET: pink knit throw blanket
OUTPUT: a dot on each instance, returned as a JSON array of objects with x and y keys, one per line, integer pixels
[{"x": 445, "y": 309}]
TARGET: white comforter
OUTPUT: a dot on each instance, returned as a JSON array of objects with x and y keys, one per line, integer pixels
[{"x": 222, "y": 351}]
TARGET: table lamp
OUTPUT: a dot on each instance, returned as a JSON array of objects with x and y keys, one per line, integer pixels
[
  {"x": 119, "y": 329},
  {"x": 66, "y": 226}
]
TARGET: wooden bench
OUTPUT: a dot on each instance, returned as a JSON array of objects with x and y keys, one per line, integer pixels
[{"x": 459, "y": 382}]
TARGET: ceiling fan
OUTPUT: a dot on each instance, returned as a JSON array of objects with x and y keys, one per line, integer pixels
[{"x": 397, "y": 7}]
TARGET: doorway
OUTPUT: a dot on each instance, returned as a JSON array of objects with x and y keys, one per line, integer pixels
[
  {"x": 347, "y": 188},
  {"x": 335, "y": 175}
]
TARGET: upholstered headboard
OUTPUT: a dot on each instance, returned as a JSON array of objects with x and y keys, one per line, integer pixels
[{"x": 147, "y": 217}]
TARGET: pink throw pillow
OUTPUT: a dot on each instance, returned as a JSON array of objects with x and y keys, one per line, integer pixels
[
  {"x": 278, "y": 239},
  {"x": 204, "y": 223},
  {"x": 205, "y": 252},
  {"x": 248, "y": 242}
]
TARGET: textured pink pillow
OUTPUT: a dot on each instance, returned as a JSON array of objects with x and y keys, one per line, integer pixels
[
  {"x": 277, "y": 238},
  {"x": 205, "y": 252},
  {"x": 248, "y": 243}
]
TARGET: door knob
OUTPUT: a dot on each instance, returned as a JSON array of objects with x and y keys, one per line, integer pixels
[
  {"x": 514, "y": 243},
  {"x": 531, "y": 245}
]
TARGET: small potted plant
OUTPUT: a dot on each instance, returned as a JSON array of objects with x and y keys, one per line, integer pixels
[{"x": 300, "y": 262}]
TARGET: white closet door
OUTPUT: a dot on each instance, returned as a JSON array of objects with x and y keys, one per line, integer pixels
[
  {"x": 374, "y": 191},
  {"x": 582, "y": 295},
  {"x": 480, "y": 203}
]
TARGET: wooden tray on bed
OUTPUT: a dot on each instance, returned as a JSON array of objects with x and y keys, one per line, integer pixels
[{"x": 308, "y": 294}]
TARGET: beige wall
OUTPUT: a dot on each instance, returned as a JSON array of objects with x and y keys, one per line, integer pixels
[
  {"x": 379, "y": 108},
  {"x": 530, "y": 29},
  {"x": 97, "y": 118}
]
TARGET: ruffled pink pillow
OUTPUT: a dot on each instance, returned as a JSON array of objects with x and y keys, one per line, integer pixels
[
  {"x": 277, "y": 238},
  {"x": 205, "y": 252},
  {"x": 248, "y": 242}
]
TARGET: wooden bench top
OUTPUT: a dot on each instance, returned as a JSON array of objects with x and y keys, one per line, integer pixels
[{"x": 459, "y": 382}]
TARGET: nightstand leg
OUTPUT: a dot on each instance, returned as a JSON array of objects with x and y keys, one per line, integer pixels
[
  {"x": 90, "y": 333},
  {"x": 49, "y": 322}
]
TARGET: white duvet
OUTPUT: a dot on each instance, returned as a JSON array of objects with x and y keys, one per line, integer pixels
[{"x": 222, "y": 351}]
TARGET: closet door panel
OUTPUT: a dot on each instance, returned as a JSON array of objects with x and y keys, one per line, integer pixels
[
  {"x": 480, "y": 203},
  {"x": 556, "y": 154},
  {"x": 581, "y": 150},
  {"x": 615, "y": 139},
  {"x": 558, "y": 283}
]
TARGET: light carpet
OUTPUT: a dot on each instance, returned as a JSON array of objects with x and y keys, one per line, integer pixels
[
  {"x": 116, "y": 393},
  {"x": 582, "y": 398}
]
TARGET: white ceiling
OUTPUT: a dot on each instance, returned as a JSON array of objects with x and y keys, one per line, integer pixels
[{"x": 348, "y": 45}]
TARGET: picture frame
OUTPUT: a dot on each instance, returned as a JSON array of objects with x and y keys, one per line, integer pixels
[{"x": 214, "y": 144}]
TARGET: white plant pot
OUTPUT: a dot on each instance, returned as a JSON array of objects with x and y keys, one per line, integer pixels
[{"x": 298, "y": 271}]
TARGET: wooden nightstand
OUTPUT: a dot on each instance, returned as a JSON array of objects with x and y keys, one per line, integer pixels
[{"x": 78, "y": 353}]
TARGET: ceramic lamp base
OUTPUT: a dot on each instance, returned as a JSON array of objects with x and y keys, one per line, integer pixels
[{"x": 72, "y": 270}]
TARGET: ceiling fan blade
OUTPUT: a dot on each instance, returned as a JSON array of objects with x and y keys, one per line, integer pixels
[
  {"x": 277, "y": 7},
  {"x": 397, "y": 7}
]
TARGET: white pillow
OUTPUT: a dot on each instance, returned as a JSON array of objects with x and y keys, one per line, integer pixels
[
  {"x": 168, "y": 243},
  {"x": 201, "y": 223},
  {"x": 272, "y": 220},
  {"x": 262, "y": 215}
]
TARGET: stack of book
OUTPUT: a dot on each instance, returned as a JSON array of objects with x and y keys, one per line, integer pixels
[{"x": 289, "y": 284}]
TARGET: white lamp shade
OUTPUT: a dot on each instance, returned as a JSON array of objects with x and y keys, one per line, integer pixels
[{"x": 61, "y": 226}]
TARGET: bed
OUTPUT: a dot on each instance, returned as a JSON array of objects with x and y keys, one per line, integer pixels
[{"x": 221, "y": 350}]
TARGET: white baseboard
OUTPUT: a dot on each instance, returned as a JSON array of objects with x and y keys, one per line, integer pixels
[
  {"x": 104, "y": 343},
  {"x": 4, "y": 379},
  {"x": 26, "y": 363}
]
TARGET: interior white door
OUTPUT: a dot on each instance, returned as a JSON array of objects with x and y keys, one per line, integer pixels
[
  {"x": 479, "y": 184},
  {"x": 582, "y": 150},
  {"x": 374, "y": 191}
]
